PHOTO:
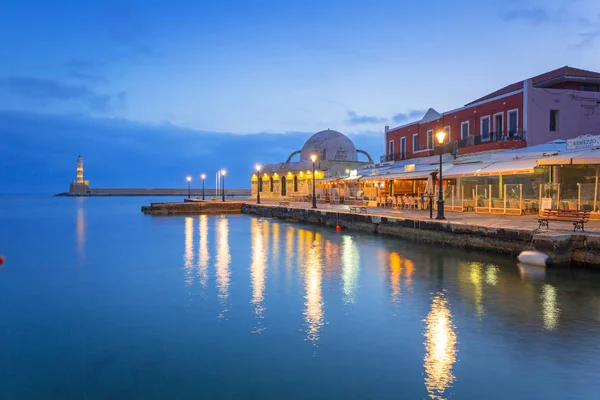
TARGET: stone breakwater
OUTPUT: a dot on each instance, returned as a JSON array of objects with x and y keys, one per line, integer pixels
[
  {"x": 563, "y": 248},
  {"x": 157, "y": 192},
  {"x": 193, "y": 208}
]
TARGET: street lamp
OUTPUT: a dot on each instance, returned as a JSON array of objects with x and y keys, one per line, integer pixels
[
  {"x": 223, "y": 184},
  {"x": 441, "y": 135},
  {"x": 189, "y": 179},
  {"x": 313, "y": 157},
  {"x": 258, "y": 183},
  {"x": 203, "y": 176}
]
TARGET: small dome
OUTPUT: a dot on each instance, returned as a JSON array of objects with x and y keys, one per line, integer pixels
[{"x": 329, "y": 145}]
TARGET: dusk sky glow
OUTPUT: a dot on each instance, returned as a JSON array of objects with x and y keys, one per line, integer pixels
[{"x": 176, "y": 86}]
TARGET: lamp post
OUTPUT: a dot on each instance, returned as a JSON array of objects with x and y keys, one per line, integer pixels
[
  {"x": 313, "y": 157},
  {"x": 203, "y": 176},
  {"x": 223, "y": 184},
  {"x": 441, "y": 135},
  {"x": 258, "y": 183},
  {"x": 189, "y": 179}
]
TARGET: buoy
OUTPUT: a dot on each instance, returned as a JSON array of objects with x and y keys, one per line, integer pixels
[
  {"x": 338, "y": 228},
  {"x": 534, "y": 258},
  {"x": 1, "y": 260}
]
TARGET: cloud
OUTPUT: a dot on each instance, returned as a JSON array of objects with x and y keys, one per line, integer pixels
[
  {"x": 410, "y": 115},
  {"x": 534, "y": 15},
  {"x": 355, "y": 119},
  {"x": 44, "y": 90}
]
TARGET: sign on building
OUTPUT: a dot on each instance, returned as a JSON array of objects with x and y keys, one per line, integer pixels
[{"x": 583, "y": 142}]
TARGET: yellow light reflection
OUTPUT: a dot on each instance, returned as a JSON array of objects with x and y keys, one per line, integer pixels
[
  {"x": 257, "y": 271},
  {"x": 313, "y": 279},
  {"x": 477, "y": 281},
  {"x": 409, "y": 269},
  {"x": 80, "y": 227},
  {"x": 203, "y": 254},
  {"x": 275, "y": 244},
  {"x": 289, "y": 251},
  {"x": 491, "y": 275},
  {"x": 222, "y": 264},
  {"x": 550, "y": 307},
  {"x": 188, "y": 256},
  {"x": 350, "y": 269},
  {"x": 440, "y": 348},
  {"x": 395, "y": 273}
]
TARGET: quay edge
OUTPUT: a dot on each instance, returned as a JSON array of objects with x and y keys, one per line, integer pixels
[{"x": 564, "y": 248}]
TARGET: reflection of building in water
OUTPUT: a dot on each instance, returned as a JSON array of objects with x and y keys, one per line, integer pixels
[
  {"x": 222, "y": 263},
  {"x": 80, "y": 227},
  {"x": 257, "y": 270},
  {"x": 550, "y": 307},
  {"x": 477, "y": 281},
  {"x": 289, "y": 251},
  {"x": 313, "y": 279},
  {"x": 395, "y": 273},
  {"x": 188, "y": 255},
  {"x": 440, "y": 348},
  {"x": 275, "y": 245},
  {"x": 203, "y": 253},
  {"x": 350, "y": 269}
]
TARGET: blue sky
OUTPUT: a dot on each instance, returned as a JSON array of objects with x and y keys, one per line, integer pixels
[{"x": 197, "y": 81}]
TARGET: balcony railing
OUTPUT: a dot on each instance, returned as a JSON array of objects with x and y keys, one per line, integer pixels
[{"x": 395, "y": 156}]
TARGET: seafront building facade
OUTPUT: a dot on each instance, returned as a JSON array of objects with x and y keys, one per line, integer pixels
[
  {"x": 335, "y": 154},
  {"x": 560, "y": 104}
]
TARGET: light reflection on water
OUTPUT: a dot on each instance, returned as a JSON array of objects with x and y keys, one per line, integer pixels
[
  {"x": 440, "y": 347},
  {"x": 222, "y": 265},
  {"x": 313, "y": 278},
  {"x": 257, "y": 270},
  {"x": 355, "y": 309}
]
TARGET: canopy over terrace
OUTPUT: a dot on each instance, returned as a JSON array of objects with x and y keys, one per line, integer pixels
[{"x": 590, "y": 157}]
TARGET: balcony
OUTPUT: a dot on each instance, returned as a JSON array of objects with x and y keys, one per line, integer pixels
[
  {"x": 475, "y": 142},
  {"x": 395, "y": 157}
]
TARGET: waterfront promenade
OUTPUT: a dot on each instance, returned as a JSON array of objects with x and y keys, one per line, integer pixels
[{"x": 513, "y": 222}]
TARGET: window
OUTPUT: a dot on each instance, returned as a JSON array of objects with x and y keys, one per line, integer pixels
[
  {"x": 429, "y": 139},
  {"x": 589, "y": 88},
  {"x": 464, "y": 130},
  {"x": 485, "y": 128},
  {"x": 498, "y": 125},
  {"x": 415, "y": 142},
  {"x": 295, "y": 183},
  {"x": 447, "y": 130},
  {"x": 553, "y": 120},
  {"x": 403, "y": 147},
  {"x": 271, "y": 183},
  {"x": 391, "y": 148},
  {"x": 513, "y": 122}
]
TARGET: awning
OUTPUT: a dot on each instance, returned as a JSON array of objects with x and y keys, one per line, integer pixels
[
  {"x": 513, "y": 167},
  {"x": 464, "y": 170},
  {"x": 587, "y": 157},
  {"x": 415, "y": 175},
  {"x": 352, "y": 178},
  {"x": 327, "y": 180},
  {"x": 566, "y": 158}
]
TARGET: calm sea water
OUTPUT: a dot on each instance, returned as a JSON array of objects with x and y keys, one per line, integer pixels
[{"x": 101, "y": 302}]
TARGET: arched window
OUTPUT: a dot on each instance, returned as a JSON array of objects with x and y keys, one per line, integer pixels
[
  {"x": 271, "y": 184},
  {"x": 295, "y": 183}
]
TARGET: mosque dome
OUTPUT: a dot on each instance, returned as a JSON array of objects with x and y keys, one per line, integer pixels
[{"x": 329, "y": 145}]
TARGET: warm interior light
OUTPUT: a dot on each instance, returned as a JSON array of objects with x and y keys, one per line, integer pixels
[
  {"x": 313, "y": 157},
  {"x": 258, "y": 167},
  {"x": 441, "y": 135},
  {"x": 189, "y": 178},
  {"x": 203, "y": 176}
]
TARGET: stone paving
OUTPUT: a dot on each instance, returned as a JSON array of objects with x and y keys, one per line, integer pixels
[{"x": 525, "y": 222}]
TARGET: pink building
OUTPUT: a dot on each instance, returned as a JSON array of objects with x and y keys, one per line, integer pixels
[{"x": 560, "y": 104}]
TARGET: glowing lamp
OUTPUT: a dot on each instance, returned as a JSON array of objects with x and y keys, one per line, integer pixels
[
  {"x": 313, "y": 157},
  {"x": 258, "y": 167},
  {"x": 189, "y": 178},
  {"x": 441, "y": 135}
]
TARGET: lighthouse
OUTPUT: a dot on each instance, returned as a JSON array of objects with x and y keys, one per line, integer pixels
[
  {"x": 79, "y": 169},
  {"x": 79, "y": 186}
]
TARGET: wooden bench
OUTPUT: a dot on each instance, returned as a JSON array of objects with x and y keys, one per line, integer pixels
[
  {"x": 577, "y": 218},
  {"x": 358, "y": 209}
]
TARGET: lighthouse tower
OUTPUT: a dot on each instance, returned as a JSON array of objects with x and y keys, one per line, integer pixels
[
  {"x": 79, "y": 169},
  {"x": 79, "y": 186}
]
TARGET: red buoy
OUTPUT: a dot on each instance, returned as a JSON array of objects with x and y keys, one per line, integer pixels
[
  {"x": 338, "y": 228},
  {"x": 1, "y": 260}
]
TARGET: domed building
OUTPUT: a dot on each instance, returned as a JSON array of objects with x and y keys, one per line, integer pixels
[{"x": 336, "y": 157}]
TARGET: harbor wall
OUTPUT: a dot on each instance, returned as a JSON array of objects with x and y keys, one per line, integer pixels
[
  {"x": 563, "y": 248},
  {"x": 209, "y": 193}
]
